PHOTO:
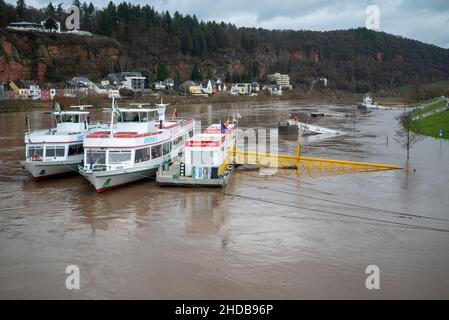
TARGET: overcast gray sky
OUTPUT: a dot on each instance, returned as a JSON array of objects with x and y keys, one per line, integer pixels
[{"x": 424, "y": 20}]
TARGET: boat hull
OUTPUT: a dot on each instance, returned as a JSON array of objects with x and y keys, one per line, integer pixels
[
  {"x": 45, "y": 170},
  {"x": 105, "y": 180}
]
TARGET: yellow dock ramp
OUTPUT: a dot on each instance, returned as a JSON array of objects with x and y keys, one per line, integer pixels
[{"x": 306, "y": 165}]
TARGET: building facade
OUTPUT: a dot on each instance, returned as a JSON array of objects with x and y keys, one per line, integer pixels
[{"x": 282, "y": 80}]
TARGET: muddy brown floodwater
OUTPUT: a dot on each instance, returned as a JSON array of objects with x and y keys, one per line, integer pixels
[{"x": 144, "y": 241}]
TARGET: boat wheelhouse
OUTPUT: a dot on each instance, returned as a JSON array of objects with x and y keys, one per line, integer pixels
[
  {"x": 58, "y": 150},
  {"x": 137, "y": 144}
]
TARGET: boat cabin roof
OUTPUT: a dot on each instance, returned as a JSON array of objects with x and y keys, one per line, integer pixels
[
  {"x": 204, "y": 140},
  {"x": 136, "y": 110},
  {"x": 207, "y": 137},
  {"x": 60, "y": 113}
]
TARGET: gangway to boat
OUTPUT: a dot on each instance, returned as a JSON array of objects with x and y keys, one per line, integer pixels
[{"x": 305, "y": 165}]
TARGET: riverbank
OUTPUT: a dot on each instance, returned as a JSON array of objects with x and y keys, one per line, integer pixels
[
  {"x": 431, "y": 117},
  {"x": 219, "y": 98},
  {"x": 430, "y": 126}
]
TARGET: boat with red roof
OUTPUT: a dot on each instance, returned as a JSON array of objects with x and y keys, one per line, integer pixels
[{"x": 139, "y": 141}]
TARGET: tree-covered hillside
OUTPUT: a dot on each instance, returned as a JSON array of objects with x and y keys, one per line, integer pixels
[{"x": 356, "y": 60}]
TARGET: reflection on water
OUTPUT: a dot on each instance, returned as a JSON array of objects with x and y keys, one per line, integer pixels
[{"x": 278, "y": 236}]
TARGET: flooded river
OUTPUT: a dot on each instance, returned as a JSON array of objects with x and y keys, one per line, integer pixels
[{"x": 274, "y": 237}]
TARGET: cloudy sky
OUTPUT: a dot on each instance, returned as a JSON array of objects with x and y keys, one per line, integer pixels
[{"x": 424, "y": 20}]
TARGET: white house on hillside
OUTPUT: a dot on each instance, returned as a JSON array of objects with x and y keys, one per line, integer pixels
[
  {"x": 128, "y": 80},
  {"x": 32, "y": 26}
]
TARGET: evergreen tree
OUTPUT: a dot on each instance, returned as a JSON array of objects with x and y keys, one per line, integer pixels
[
  {"x": 20, "y": 8},
  {"x": 162, "y": 72},
  {"x": 108, "y": 20},
  {"x": 50, "y": 11},
  {"x": 50, "y": 24},
  {"x": 60, "y": 12},
  {"x": 84, "y": 15},
  {"x": 196, "y": 74},
  {"x": 3, "y": 19},
  {"x": 90, "y": 12}
]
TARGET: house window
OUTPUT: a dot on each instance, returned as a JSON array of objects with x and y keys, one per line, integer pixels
[
  {"x": 142, "y": 155},
  {"x": 52, "y": 151},
  {"x": 35, "y": 151},
  {"x": 156, "y": 152},
  {"x": 120, "y": 156},
  {"x": 75, "y": 149}
]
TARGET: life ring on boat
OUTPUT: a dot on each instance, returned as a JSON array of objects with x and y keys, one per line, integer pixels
[{"x": 35, "y": 157}]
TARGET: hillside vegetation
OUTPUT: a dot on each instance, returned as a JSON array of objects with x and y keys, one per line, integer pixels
[{"x": 357, "y": 60}]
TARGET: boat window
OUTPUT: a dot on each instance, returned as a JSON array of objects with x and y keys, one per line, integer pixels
[
  {"x": 202, "y": 157},
  {"x": 191, "y": 133},
  {"x": 148, "y": 116},
  {"x": 177, "y": 141},
  {"x": 35, "y": 151},
  {"x": 53, "y": 151},
  {"x": 75, "y": 149},
  {"x": 129, "y": 116},
  {"x": 94, "y": 156},
  {"x": 119, "y": 156},
  {"x": 74, "y": 118},
  {"x": 156, "y": 151},
  {"x": 142, "y": 155},
  {"x": 60, "y": 151},
  {"x": 136, "y": 116},
  {"x": 166, "y": 148}
]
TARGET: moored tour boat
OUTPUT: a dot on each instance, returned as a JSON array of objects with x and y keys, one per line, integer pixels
[
  {"x": 136, "y": 145},
  {"x": 368, "y": 103},
  {"x": 58, "y": 150}
]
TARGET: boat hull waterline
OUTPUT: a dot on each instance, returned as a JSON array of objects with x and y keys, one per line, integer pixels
[
  {"x": 105, "y": 180},
  {"x": 45, "y": 170}
]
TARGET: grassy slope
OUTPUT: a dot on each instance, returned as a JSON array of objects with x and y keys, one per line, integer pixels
[
  {"x": 429, "y": 126},
  {"x": 434, "y": 106}
]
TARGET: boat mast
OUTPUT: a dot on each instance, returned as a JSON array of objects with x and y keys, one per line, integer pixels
[{"x": 112, "y": 116}]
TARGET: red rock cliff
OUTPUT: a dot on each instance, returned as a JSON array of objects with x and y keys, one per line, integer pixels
[{"x": 55, "y": 57}]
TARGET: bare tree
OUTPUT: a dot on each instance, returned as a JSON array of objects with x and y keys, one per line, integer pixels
[{"x": 406, "y": 136}]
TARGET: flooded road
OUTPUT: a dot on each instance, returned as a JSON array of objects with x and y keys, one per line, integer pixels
[{"x": 273, "y": 237}]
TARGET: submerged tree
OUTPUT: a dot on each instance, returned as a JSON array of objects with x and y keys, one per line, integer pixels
[{"x": 406, "y": 136}]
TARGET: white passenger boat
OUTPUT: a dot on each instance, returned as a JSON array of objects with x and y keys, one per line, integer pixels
[
  {"x": 58, "y": 150},
  {"x": 138, "y": 142},
  {"x": 368, "y": 103}
]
